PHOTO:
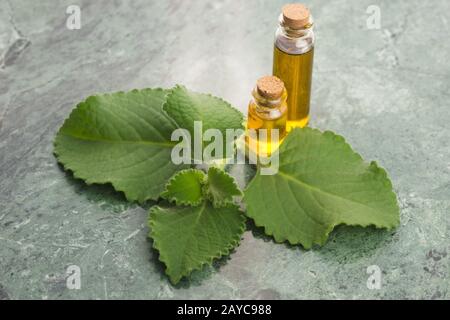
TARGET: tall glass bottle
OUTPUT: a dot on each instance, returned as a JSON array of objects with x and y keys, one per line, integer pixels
[{"x": 293, "y": 61}]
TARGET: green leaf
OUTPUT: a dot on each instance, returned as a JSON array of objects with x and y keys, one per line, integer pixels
[
  {"x": 185, "y": 107},
  {"x": 185, "y": 187},
  {"x": 221, "y": 187},
  {"x": 321, "y": 183},
  {"x": 122, "y": 139},
  {"x": 189, "y": 237}
]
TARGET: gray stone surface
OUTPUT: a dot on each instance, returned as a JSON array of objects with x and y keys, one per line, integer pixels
[{"x": 386, "y": 91}]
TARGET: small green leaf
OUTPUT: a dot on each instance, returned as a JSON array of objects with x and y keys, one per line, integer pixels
[
  {"x": 321, "y": 183},
  {"x": 221, "y": 187},
  {"x": 189, "y": 237},
  {"x": 185, "y": 187},
  {"x": 122, "y": 139}
]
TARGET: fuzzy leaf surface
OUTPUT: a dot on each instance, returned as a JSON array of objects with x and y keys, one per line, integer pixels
[
  {"x": 186, "y": 187},
  {"x": 189, "y": 237},
  {"x": 186, "y": 107},
  {"x": 221, "y": 187}
]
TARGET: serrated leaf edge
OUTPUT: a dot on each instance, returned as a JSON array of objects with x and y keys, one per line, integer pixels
[
  {"x": 225, "y": 252},
  {"x": 183, "y": 202},
  {"x": 221, "y": 203}
]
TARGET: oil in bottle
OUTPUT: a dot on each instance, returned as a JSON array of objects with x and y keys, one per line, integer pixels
[{"x": 293, "y": 61}]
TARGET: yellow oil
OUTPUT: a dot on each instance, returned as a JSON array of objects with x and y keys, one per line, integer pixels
[
  {"x": 296, "y": 72},
  {"x": 264, "y": 119}
]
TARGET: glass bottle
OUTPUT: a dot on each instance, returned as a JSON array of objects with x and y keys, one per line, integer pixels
[
  {"x": 266, "y": 110},
  {"x": 293, "y": 60}
]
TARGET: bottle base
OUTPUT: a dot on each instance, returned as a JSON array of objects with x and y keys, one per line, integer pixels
[
  {"x": 301, "y": 123},
  {"x": 260, "y": 148}
]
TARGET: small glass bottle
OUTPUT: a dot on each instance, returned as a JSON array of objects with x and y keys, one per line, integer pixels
[
  {"x": 293, "y": 60},
  {"x": 267, "y": 110}
]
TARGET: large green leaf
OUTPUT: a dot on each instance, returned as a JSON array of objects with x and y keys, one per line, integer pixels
[
  {"x": 321, "y": 183},
  {"x": 189, "y": 237},
  {"x": 122, "y": 139},
  {"x": 185, "y": 107}
]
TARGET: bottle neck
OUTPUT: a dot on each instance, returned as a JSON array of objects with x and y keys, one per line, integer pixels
[
  {"x": 296, "y": 33},
  {"x": 295, "y": 41},
  {"x": 265, "y": 103}
]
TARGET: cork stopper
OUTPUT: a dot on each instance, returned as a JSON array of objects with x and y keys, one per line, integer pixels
[
  {"x": 270, "y": 87},
  {"x": 295, "y": 15}
]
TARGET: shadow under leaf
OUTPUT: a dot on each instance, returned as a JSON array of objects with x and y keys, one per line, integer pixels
[
  {"x": 347, "y": 244},
  {"x": 102, "y": 194}
]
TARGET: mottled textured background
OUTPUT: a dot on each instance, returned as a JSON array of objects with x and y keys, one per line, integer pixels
[{"x": 386, "y": 91}]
